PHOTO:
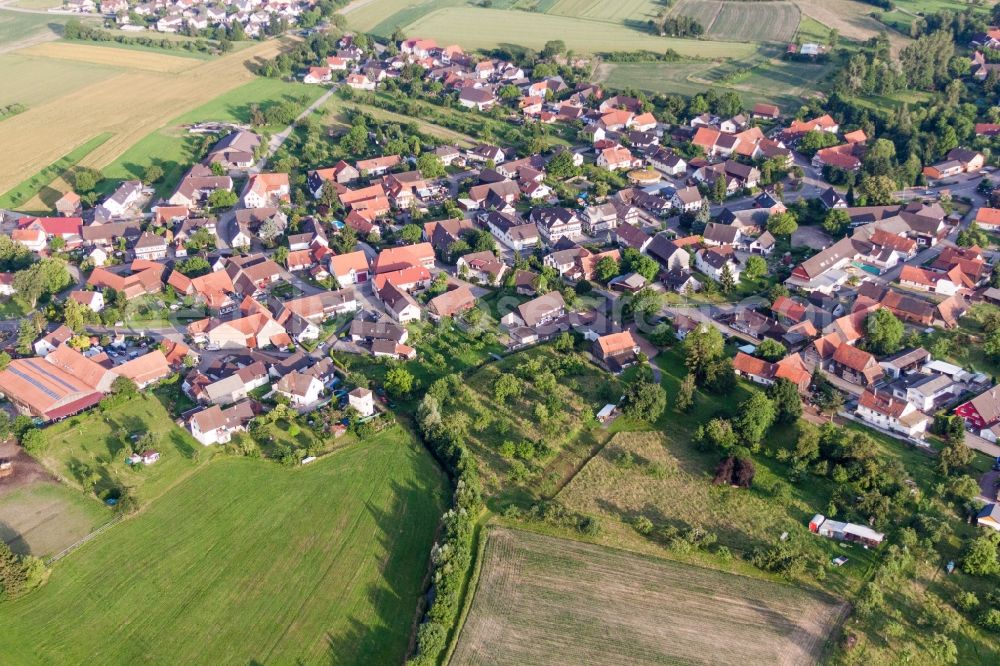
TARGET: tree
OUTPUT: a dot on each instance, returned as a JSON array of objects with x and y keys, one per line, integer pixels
[
  {"x": 281, "y": 255},
  {"x": 635, "y": 262},
  {"x": 507, "y": 386},
  {"x": 429, "y": 165},
  {"x": 877, "y": 190},
  {"x": 222, "y": 199},
  {"x": 744, "y": 472},
  {"x": 771, "y": 350},
  {"x": 154, "y": 173},
  {"x": 644, "y": 400},
  {"x": 980, "y": 557},
  {"x": 702, "y": 347},
  {"x": 647, "y": 301},
  {"x": 726, "y": 279},
  {"x": 756, "y": 267},
  {"x": 884, "y": 332},
  {"x": 718, "y": 194},
  {"x": 606, "y": 269},
  {"x": 787, "y": 404},
  {"x": 561, "y": 166},
  {"x": 194, "y": 266},
  {"x": 782, "y": 224},
  {"x": 75, "y": 315},
  {"x": 718, "y": 432},
  {"x": 756, "y": 416},
  {"x": 411, "y": 233},
  {"x": 685, "y": 394},
  {"x": 836, "y": 222},
  {"x": 398, "y": 381},
  {"x": 553, "y": 47}
]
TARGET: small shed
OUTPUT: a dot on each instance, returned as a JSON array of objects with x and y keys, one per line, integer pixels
[{"x": 607, "y": 413}]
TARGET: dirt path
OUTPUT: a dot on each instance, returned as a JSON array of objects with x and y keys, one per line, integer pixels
[{"x": 355, "y": 5}]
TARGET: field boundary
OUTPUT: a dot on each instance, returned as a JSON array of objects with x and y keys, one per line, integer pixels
[
  {"x": 471, "y": 585},
  {"x": 83, "y": 540},
  {"x": 30, "y": 187}
]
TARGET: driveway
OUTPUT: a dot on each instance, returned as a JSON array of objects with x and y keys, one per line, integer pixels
[{"x": 988, "y": 486}]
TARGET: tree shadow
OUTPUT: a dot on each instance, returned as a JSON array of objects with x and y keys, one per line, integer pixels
[{"x": 14, "y": 539}]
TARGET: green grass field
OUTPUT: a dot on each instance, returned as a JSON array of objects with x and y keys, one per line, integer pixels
[
  {"x": 546, "y": 600},
  {"x": 249, "y": 562},
  {"x": 43, "y": 518},
  {"x": 93, "y": 446},
  {"x": 31, "y": 80},
  {"x": 32, "y": 186},
  {"x": 464, "y": 25},
  {"x": 17, "y": 26}
]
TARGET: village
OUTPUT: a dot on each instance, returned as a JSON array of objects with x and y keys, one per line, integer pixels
[{"x": 574, "y": 300}]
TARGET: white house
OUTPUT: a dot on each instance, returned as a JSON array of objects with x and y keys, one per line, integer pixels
[
  {"x": 300, "y": 389},
  {"x": 890, "y": 413},
  {"x": 214, "y": 425},
  {"x": 362, "y": 400},
  {"x": 713, "y": 263}
]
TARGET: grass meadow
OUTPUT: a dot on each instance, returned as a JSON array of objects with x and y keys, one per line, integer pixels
[
  {"x": 464, "y": 25},
  {"x": 35, "y": 80},
  {"x": 90, "y": 449},
  {"x": 545, "y": 600},
  {"x": 249, "y": 562}
]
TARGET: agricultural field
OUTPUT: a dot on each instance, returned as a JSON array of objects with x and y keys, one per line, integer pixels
[
  {"x": 130, "y": 105},
  {"x": 743, "y": 21},
  {"x": 18, "y": 28},
  {"x": 45, "y": 517},
  {"x": 335, "y": 113},
  {"x": 464, "y": 25},
  {"x": 767, "y": 79},
  {"x": 84, "y": 52},
  {"x": 631, "y": 11},
  {"x": 33, "y": 80},
  {"x": 89, "y": 450},
  {"x": 851, "y": 18},
  {"x": 545, "y": 600},
  {"x": 37, "y": 184},
  {"x": 320, "y": 564}
]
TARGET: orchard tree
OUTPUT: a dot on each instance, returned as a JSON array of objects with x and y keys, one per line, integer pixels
[
  {"x": 756, "y": 416},
  {"x": 787, "y": 404},
  {"x": 644, "y": 400},
  {"x": 980, "y": 557},
  {"x": 507, "y": 386},
  {"x": 685, "y": 394},
  {"x": 398, "y": 381}
]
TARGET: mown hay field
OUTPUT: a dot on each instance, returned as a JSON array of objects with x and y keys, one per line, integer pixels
[
  {"x": 464, "y": 25},
  {"x": 743, "y": 21},
  {"x": 82, "y": 52},
  {"x": 248, "y": 562},
  {"x": 543, "y": 600},
  {"x": 131, "y": 105},
  {"x": 606, "y": 10}
]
